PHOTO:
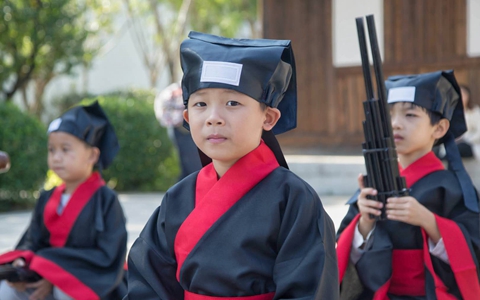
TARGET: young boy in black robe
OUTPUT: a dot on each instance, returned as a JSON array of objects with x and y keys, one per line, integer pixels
[
  {"x": 77, "y": 237},
  {"x": 429, "y": 245},
  {"x": 243, "y": 227}
]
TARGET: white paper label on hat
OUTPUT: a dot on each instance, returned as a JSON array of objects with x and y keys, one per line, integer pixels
[
  {"x": 221, "y": 72},
  {"x": 401, "y": 94},
  {"x": 54, "y": 125}
]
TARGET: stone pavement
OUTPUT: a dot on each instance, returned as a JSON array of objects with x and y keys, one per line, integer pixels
[{"x": 137, "y": 208}]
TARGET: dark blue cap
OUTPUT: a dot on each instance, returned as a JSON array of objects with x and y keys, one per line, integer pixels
[
  {"x": 259, "y": 68},
  {"x": 91, "y": 125},
  {"x": 437, "y": 92},
  {"x": 440, "y": 93}
]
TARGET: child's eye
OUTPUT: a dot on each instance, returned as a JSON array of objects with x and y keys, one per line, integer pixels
[
  {"x": 50, "y": 149},
  {"x": 199, "y": 104},
  {"x": 233, "y": 103},
  {"x": 411, "y": 115},
  {"x": 65, "y": 149}
]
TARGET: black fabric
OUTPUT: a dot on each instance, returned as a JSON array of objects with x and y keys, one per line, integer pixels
[
  {"x": 441, "y": 193},
  {"x": 276, "y": 238},
  {"x": 465, "y": 149},
  {"x": 95, "y": 249},
  {"x": 91, "y": 125},
  {"x": 267, "y": 74}
]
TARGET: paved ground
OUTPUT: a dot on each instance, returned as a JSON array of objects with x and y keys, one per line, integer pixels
[{"x": 138, "y": 208}]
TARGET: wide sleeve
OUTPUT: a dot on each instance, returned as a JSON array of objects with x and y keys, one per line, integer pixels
[
  {"x": 94, "y": 271},
  {"x": 35, "y": 236},
  {"x": 459, "y": 228},
  {"x": 305, "y": 267},
  {"x": 151, "y": 263}
]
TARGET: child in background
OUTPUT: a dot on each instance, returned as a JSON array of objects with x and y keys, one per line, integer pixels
[
  {"x": 429, "y": 245},
  {"x": 169, "y": 108},
  {"x": 77, "y": 238},
  {"x": 244, "y": 226}
]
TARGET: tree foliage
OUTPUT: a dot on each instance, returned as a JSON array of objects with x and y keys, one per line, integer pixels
[
  {"x": 41, "y": 39},
  {"x": 168, "y": 21}
]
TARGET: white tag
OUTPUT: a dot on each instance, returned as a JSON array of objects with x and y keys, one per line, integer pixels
[
  {"x": 401, "y": 94},
  {"x": 54, "y": 125},
  {"x": 221, "y": 72}
]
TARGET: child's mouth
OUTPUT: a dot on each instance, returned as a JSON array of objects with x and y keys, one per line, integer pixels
[{"x": 216, "y": 138}]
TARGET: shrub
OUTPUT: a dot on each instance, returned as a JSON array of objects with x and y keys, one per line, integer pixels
[
  {"x": 146, "y": 160},
  {"x": 24, "y": 138}
]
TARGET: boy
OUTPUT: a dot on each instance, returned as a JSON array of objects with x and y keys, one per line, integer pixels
[
  {"x": 428, "y": 248},
  {"x": 77, "y": 237},
  {"x": 242, "y": 227}
]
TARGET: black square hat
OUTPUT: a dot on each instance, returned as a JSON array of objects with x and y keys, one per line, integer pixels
[
  {"x": 260, "y": 68},
  {"x": 91, "y": 125},
  {"x": 438, "y": 92}
]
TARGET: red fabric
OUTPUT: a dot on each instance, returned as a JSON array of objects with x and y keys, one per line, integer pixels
[
  {"x": 192, "y": 296},
  {"x": 408, "y": 273},
  {"x": 420, "y": 168},
  {"x": 440, "y": 288},
  {"x": 460, "y": 257},
  {"x": 215, "y": 197},
  {"x": 10, "y": 256},
  {"x": 381, "y": 293},
  {"x": 59, "y": 226},
  {"x": 344, "y": 246},
  {"x": 68, "y": 283}
]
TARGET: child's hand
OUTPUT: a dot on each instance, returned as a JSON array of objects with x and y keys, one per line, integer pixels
[
  {"x": 19, "y": 262},
  {"x": 19, "y": 286},
  {"x": 43, "y": 288},
  {"x": 408, "y": 210},
  {"x": 367, "y": 207}
]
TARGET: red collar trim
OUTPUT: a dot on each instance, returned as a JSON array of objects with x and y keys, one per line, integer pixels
[
  {"x": 420, "y": 168},
  {"x": 59, "y": 226},
  {"x": 212, "y": 200}
]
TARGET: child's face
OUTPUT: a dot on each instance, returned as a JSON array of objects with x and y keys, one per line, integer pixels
[
  {"x": 70, "y": 158},
  {"x": 413, "y": 133},
  {"x": 225, "y": 124}
]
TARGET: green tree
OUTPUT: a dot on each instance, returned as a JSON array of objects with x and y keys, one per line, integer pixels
[
  {"x": 168, "y": 21},
  {"x": 41, "y": 39}
]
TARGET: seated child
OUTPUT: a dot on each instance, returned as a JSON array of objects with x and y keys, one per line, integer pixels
[
  {"x": 77, "y": 238},
  {"x": 429, "y": 245},
  {"x": 243, "y": 227}
]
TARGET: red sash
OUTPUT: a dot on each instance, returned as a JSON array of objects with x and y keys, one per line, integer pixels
[
  {"x": 408, "y": 273},
  {"x": 214, "y": 197},
  {"x": 59, "y": 226}
]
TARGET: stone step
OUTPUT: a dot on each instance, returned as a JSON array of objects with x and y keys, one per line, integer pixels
[{"x": 337, "y": 175}]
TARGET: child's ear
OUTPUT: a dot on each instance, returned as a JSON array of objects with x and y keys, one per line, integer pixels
[
  {"x": 441, "y": 129},
  {"x": 272, "y": 115},
  {"x": 94, "y": 155},
  {"x": 185, "y": 115}
]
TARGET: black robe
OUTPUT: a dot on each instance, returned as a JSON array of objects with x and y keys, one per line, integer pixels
[
  {"x": 82, "y": 251},
  {"x": 440, "y": 192},
  {"x": 275, "y": 242}
]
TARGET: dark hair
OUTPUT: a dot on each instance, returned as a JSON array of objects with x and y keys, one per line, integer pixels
[
  {"x": 467, "y": 89},
  {"x": 263, "y": 106}
]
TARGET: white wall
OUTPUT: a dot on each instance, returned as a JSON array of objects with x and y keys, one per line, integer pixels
[
  {"x": 473, "y": 27},
  {"x": 345, "y": 41}
]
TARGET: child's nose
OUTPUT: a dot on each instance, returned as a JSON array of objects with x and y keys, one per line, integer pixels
[
  {"x": 395, "y": 121},
  {"x": 215, "y": 117}
]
